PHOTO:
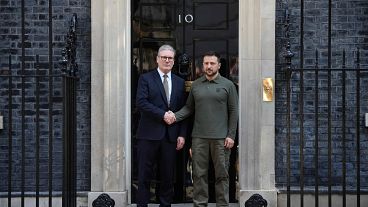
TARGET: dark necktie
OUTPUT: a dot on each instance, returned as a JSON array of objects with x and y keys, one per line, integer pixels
[{"x": 166, "y": 87}]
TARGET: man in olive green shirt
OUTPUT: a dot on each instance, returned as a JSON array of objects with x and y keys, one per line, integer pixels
[{"x": 214, "y": 101}]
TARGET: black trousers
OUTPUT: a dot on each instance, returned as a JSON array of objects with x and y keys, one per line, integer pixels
[{"x": 160, "y": 153}]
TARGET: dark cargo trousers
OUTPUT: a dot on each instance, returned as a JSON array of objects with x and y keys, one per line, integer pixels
[{"x": 201, "y": 149}]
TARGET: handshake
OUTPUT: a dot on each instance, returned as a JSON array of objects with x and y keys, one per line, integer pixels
[{"x": 169, "y": 117}]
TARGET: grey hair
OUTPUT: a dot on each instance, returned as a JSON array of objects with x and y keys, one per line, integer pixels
[{"x": 166, "y": 47}]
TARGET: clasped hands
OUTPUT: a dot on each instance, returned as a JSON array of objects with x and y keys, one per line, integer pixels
[{"x": 169, "y": 117}]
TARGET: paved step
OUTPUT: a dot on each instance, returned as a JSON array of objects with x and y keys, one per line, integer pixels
[{"x": 188, "y": 205}]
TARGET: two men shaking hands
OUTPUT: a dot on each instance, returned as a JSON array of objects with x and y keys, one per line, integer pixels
[{"x": 169, "y": 117}]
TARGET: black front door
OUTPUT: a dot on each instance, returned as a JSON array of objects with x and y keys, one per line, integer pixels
[{"x": 192, "y": 27}]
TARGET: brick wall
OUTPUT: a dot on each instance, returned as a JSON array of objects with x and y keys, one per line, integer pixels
[
  {"x": 37, "y": 43},
  {"x": 349, "y": 31}
]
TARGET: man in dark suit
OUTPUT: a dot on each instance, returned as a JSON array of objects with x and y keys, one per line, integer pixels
[{"x": 159, "y": 92}]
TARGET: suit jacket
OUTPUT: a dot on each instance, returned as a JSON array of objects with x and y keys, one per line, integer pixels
[{"x": 152, "y": 104}]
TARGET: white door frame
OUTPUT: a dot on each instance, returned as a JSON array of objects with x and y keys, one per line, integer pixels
[{"x": 111, "y": 113}]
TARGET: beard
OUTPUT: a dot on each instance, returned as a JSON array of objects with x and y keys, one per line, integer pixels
[{"x": 211, "y": 73}]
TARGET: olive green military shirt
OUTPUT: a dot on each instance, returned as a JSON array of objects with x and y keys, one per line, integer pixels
[{"x": 215, "y": 107}]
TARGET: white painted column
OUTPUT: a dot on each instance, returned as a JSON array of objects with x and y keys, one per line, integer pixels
[
  {"x": 257, "y": 118},
  {"x": 110, "y": 141}
]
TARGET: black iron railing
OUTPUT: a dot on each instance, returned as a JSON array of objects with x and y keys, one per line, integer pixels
[
  {"x": 324, "y": 120},
  {"x": 70, "y": 79},
  {"x": 39, "y": 110},
  {"x": 331, "y": 110}
]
